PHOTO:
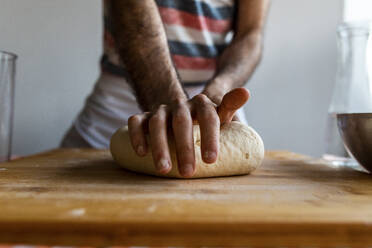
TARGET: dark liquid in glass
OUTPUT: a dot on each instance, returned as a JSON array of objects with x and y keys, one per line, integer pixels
[{"x": 356, "y": 132}]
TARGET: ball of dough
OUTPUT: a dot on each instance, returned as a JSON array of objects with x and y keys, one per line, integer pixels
[{"x": 241, "y": 152}]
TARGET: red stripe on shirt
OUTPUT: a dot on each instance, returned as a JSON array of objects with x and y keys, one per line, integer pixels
[
  {"x": 178, "y": 17},
  {"x": 194, "y": 63}
]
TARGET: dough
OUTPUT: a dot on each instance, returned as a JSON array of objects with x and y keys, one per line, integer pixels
[{"x": 241, "y": 152}]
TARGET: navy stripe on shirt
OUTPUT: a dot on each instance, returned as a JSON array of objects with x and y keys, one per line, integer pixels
[
  {"x": 198, "y": 8},
  {"x": 195, "y": 50}
]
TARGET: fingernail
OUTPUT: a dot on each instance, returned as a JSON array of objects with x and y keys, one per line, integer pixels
[
  {"x": 187, "y": 170},
  {"x": 140, "y": 150},
  {"x": 209, "y": 156},
  {"x": 163, "y": 165}
]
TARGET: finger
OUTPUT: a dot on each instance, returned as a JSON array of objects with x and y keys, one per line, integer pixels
[
  {"x": 159, "y": 140},
  {"x": 231, "y": 102},
  {"x": 183, "y": 136},
  {"x": 235, "y": 118},
  {"x": 209, "y": 123},
  {"x": 137, "y": 134}
]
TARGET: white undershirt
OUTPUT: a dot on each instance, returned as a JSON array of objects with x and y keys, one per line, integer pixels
[{"x": 110, "y": 105}]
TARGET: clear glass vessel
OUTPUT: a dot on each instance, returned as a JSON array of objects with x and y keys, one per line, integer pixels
[
  {"x": 7, "y": 81},
  {"x": 353, "y": 89}
]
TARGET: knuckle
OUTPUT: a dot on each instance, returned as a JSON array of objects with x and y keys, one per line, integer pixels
[
  {"x": 178, "y": 102},
  {"x": 180, "y": 117},
  {"x": 160, "y": 112},
  {"x": 208, "y": 113},
  {"x": 201, "y": 99},
  {"x": 134, "y": 119},
  {"x": 161, "y": 108},
  {"x": 187, "y": 149},
  {"x": 211, "y": 114},
  {"x": 155, "y": 120},
  {"x": 207, "y": 110}
]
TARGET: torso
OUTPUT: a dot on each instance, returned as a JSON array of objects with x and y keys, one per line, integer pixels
[{"x": 197, "y": 32}]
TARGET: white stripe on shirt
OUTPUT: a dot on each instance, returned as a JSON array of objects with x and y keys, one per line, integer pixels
[
  {"x": 219, "y": 3},
  {"x": 189, "y": 35},
  {"x": 195, "y": 75}
]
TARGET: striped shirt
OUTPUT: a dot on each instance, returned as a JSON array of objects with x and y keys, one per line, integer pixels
[{"x": 197, "y": 32}]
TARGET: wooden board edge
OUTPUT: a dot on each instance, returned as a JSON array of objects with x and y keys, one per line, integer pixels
[{"x": 260, "y": 235}]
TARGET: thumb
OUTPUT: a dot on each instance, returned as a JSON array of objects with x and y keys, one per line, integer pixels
[{"x": 231, "y": 102}]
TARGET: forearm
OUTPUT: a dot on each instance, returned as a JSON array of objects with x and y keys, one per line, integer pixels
[
  {"x": 141, "y": 40},
  {"x": 236, "y": 65}
]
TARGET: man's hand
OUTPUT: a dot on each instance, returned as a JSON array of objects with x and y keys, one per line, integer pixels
[
  {"x": 177, "y": 119},
  {"x": 239, "y": 60},
  {"x": 142, "y": 43}
]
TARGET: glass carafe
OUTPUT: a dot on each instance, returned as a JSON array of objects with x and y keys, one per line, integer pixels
[
  {"x": 7, "y": 74},
  {"x": 352, "y": 90}
]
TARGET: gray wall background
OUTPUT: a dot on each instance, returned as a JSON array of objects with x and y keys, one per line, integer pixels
[{"x": 59, "y": 44}]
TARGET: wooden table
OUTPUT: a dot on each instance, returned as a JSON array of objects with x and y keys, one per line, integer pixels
[{"x": 81, "y": 197}]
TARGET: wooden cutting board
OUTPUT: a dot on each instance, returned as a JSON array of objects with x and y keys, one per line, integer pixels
[{"x": 81, "y": 197}]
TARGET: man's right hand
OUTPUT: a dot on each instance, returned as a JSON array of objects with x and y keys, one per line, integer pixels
[{"x": 178, "y": 118}]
